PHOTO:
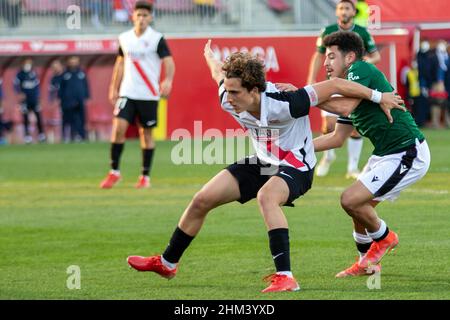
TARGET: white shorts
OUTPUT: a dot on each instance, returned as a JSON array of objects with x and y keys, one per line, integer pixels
[
  {"x": 324, "y": 114},
  {"x": 387, "y": 176}
]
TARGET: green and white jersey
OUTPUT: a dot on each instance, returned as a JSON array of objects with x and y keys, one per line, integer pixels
[
  {"x": 369, "y": 43},
  {"x": 371, "y": 122}
]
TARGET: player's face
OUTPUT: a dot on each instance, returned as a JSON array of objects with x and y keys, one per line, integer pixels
[
  {"x": 142, "y": 18},
  {"x": 336, "y": 63},
  {"x": 239, "y": 97},
  {"x": 345, "y": 12}
]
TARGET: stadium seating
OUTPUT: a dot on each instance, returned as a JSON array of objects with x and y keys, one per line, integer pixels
[{"x": 279, "y": 6}]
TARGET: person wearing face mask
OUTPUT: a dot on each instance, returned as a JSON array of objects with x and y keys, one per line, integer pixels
[
  {"x": 73, "y": 93},
  {"x": 27, "y": 86},
  {"x": 415, "y": 97}
]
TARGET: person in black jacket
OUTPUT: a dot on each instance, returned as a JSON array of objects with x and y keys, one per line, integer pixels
[
  {"x": 73, "y": 92},
  {"x": 27, "y": 87}
]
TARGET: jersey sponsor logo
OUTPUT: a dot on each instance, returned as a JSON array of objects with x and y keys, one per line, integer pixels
[
  {"x": 375, "y": 179},
  {"x": 352, "y": 77}
]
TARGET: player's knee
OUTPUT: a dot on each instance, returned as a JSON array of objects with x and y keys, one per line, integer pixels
[
  {"x": 265, "y": 199},
  {"x": 348, "y": 203},
  {"x": 118, "y": 136},
  {"x": 203, "y": 202}
]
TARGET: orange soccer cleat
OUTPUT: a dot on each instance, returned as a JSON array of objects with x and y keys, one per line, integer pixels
[
  {"x": 153, "y": 264},
  {"x": 357, "y": 270},
  {"x": 280, "y": 282},
  {"x": 110, "y": 180},
  {"x": 379, "y": 249},
  {"x": 143, "y": 182}
]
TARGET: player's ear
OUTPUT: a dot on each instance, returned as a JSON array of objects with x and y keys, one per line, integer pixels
[{"x": 350, "y": 58}]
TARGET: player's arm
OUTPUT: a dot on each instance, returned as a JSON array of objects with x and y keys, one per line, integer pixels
[
  {"x": 117, "y": 77},
  {"x": 215, "y": 66},
  {"x": 373, "y": 57},
  {"x": 169, "y": 72},
  {"x": 334, "y": 139},
  {"x": 341, "y": 104},
  {"x": 321, "y": 95},
  {"x": 314, "y": 67},
  {"x": 323, "y": 91},
  {"x": 169, "y": 67}
]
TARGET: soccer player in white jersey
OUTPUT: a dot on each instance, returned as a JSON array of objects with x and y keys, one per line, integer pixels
[
  {"x": 135, "y": 90},
  {"x": 281, "y": 171}
]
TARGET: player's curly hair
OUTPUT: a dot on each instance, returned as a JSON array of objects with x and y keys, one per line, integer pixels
[
  {"x": 249, "y": 69},
  {"x": 346, "y": 42}
]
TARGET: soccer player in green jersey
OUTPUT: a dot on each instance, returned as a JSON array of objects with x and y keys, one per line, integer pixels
[
  {"x": 345, "y": 12},
  {"x": 401, "y": 156}
]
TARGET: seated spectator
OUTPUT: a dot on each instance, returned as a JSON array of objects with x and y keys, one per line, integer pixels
[
  {"x": 206, "y": 9},
  {"x": 278, "y": 6},
  {"x": 11, "y": 12}
]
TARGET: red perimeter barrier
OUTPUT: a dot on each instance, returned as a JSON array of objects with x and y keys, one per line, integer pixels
[{"x": 194, "y": 96}]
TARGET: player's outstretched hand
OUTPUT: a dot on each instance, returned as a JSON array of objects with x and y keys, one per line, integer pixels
[
  {"x": 389, "y": 101},
  {"x": 286, "y": 87},
  {"x": 209, "y": 54}
]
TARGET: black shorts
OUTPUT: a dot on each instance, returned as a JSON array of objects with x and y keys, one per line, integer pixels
[
  {"x": 145, "y": 111},
  {"x": 252, "y": 176}
]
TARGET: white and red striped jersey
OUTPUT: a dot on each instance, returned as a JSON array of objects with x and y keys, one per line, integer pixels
[
  {"x": 143, "y": 56},
  {"x": 282, "y": 135}
]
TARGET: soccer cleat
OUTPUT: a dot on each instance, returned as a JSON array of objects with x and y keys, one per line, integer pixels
[
  {"x": 324, "y": 166},
  {"x": 352, "y": 174},
  {"x": 110, "y": 180},
  {"x": 280, "y": 282},
  {"x": 143, "y": 182},
  {"x": 153, "y": 264},
  {"x": 379, "y": 249},
  {"x": 357, "y": 270}
]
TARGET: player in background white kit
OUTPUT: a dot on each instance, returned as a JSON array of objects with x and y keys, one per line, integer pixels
[
  {"x": 135, "y": 90},
  {"x": 281, "y": 171}
]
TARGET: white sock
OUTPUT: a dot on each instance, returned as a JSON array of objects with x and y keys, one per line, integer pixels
[
  {"x": 330, "y": 155},
  {"x": 378, "y": 234},
  {"x": 363, "y": 239},
  {"x": 354, "y": 148},
  {"x": 286, "y": 273},
  {"x": 115, "y": 172},
  {"x": 168, "y": 264}
]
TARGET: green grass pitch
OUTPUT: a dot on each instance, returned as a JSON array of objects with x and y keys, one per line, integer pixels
[{"x": 53, "y": 215}]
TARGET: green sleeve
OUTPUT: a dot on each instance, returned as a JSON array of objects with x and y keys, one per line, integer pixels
[
  {"x": 319, "y": 44},
  {"x": 360, "y": 73},
  {"x": 369, "y": 43}
]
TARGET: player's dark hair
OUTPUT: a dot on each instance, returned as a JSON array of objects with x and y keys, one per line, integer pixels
[
  {"x": 348, "y": 1},
  {"x": 249, "y": 69},
  {"x": 346, "y": 41},
  {"x": 145, "y": 5}
]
